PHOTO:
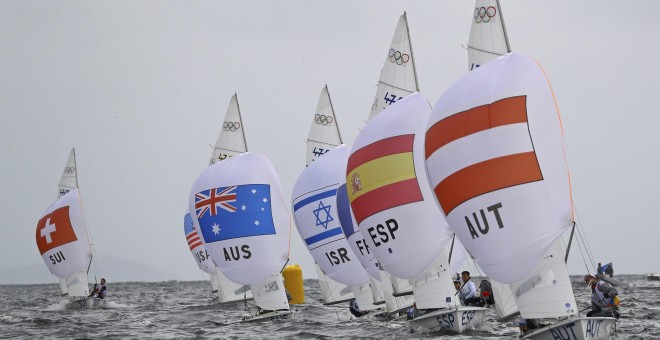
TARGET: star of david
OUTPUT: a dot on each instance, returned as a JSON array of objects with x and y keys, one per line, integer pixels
[{"x": 328, "y": 218}]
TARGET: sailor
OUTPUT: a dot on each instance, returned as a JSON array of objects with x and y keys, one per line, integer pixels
[
  {"x": 468, "y": 292},
  {"x": 99, "y": 291},
  {"x": 526, "y": 324},
  {"x": 604, "y": 298},
  {"x": 355, "y": 310},
  {"x": 457, "y": 285}
]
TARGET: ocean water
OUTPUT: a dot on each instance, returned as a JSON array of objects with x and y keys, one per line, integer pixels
[{"x": 182, "y": 310}]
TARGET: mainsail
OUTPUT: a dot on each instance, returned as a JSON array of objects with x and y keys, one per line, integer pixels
[
  {"x": 398, "y": 77},
  {"x": 231, "y": 140},
  {"x": 488, "y": 38},
  {"x": 244, "y": 222},
  {"x": 324, "y": 132}
]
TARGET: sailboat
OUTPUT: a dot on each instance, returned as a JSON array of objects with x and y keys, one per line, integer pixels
[
  {"x": 324, "y": 136},
  {"x": 495, "y": 158},
  {"x": 231, "y": 141},
  {"x": 393, "y": 206},
  {"x": 488, "y": 38},
  {"x": 398, "y": 78},
  {"x": 64, "y": 242},
  {"x": 488, "y": 41},
  {"x": 244, "y": 223}
]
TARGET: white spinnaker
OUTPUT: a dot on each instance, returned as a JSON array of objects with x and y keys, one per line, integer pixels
[
  {"x": 398, "y": 77},
  {"x": 62, "y": 237},
  {"x": 546, "y": 291},
  {"x": 314, "y": 201},
  {"x": 69, "y": 179},
  {"x": 231, "y": 140},
  {"x": 499, "y": 117},
  {"x": 324, "y": 132},
  {"x": 270, "y": 294},
  {"x": 488, "y": 39},
  {"x": 434, "y": 288},
  {"x": 243, "y": 217},
  {"x": 389, "y": 193}
]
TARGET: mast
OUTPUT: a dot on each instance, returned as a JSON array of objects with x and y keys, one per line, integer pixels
[
  {"x": 412, "y": 57},
  {"x": 506, "y": 36},
  {"x": 332, "y": 109},
  {"x": 570, "y": 240},
  {"x": 240, "y": 120}
]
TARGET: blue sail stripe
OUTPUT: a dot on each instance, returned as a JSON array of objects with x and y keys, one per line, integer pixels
[
  {"x": 310, "y": 199},
  {"x": 322, "y": 236}
]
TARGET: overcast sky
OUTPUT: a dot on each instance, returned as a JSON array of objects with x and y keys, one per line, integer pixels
[{"x": 140, "y": 89}]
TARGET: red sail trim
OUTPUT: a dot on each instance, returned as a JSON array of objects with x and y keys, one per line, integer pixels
[
  {"x": 487, "y": 176},
  {"x": 381, "y": 148},
  {"x": 386, "y": 197},
  {"x": 506, "y": 111}
]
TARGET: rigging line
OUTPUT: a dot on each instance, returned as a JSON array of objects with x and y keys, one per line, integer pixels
[
  {"x": 582, "y": 250},
  {"x": 588, "y": 248}
]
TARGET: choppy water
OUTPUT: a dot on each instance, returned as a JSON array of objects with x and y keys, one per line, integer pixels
[{"x": 167, "y": 310}]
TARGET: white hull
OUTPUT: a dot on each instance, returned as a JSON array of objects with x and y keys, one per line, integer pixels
[
  {"x": 86, "y": 303},
  {"x": 575, "y": 329},
  {"x": 269, "y": 316},
  {"x": 455, "y": 320}
]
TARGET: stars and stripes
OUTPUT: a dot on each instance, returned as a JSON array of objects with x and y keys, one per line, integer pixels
[{"x": 191, "y": 234}]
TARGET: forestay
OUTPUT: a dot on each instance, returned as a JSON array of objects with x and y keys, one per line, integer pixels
[
  {"x": 231, "y": 140},
  {"x": 488, "y": 39},
  {"x": 242, "y": 217},
  {"x": 494, "y": 153},
  {"x": 62, "y": 238},
  {"x": 398, "y": 77},
  {"x": 314, "y": 201},
  {"x": 324, "y": 132},
  {"x": 389, "y": 193}
]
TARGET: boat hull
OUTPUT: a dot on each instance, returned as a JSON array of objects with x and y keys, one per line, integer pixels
[
  {"x": 269, "y": 316},
  {"x": 653, "y": 277},
  {"x": 86, "y": 303},
  {"x": 455, "y": 320},
  {"x": 575, "y": 329}
]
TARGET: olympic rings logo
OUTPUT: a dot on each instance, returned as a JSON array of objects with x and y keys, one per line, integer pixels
[
  {"x": 69, "y": 170},
  {"x": 323, "y": 119},
  {"x": 484, "y": 14},
  {"x": 398, "y": 57},
  {"x": 231, "y": 126}
]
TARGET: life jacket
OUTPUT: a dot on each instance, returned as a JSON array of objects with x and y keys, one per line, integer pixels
[{"x": 598, "y": 297}]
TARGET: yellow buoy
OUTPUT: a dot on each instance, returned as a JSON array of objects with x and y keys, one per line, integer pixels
[{"x": 293, "y": 281}]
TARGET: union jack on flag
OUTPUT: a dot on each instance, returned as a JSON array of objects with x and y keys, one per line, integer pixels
[{"x": 212, "y": 199}]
